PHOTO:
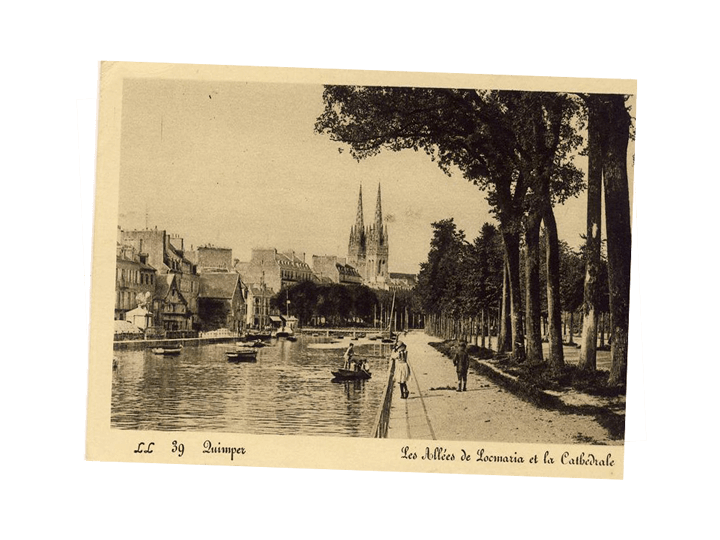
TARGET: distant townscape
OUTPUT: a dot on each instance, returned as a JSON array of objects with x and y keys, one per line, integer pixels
[{"x": 164, "y": 289}]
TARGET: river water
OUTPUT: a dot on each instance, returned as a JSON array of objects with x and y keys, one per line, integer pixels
[{"x": 288, "y": 391}]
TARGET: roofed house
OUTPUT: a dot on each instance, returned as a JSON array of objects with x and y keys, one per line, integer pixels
[
  {"x": 222, "y": 302},
  {"x": 166, "y": 254},
  {"x": 170, "y": 306}
]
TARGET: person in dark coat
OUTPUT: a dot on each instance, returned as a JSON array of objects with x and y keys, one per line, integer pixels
[{"x": 461, "y": 361}]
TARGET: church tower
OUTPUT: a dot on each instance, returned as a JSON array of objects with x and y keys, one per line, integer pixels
[
  {"x": 358, "y": 240},
  {"x": 377, "y": 250},
  {"x": 368, "y": 248}
]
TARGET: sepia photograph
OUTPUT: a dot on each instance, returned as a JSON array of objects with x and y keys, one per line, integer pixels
[{"x": 426, "y": 269}]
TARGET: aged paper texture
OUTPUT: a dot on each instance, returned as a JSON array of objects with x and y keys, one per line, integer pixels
[{"x": 235, "y": 223}]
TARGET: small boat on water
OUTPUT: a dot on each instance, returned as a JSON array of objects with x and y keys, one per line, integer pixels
[
  {"x": 167, "y": 351},
  {"x": 351, "y": 375},
  {"x": 252, "y": 336},
  {"x": 242, "y": 354}
]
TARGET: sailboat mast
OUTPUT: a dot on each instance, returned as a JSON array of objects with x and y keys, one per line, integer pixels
[{"x": 392, "y": 308}]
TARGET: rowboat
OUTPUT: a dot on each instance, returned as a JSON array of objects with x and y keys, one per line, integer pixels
[
  {"x": 351, "y": 375},
  {"x": 167, "y": 351},
  {"x": 242, "y": 354}
]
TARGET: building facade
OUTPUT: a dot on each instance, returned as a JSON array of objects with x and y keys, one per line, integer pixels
[
  {"x": 258, "y": 305},
  {"x": 274, "y": 269},
  {"x": 211, "y": 259},
  {"x": 134, "y": 281},
  {"x": 166, "y": 254},
  {"x": 170, "y": 307},
  {"x": 336, "y": 270},
  {"x": 221, "y": 302}
]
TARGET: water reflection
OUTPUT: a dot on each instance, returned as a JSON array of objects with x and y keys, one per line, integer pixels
[{"x": 287, "y": 391}]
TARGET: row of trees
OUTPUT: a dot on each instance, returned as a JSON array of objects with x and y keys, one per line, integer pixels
[
  {"x": 519, "y": 148},
  {"x": 463, "y": 286},
  {"x": 341, "y": 305}
]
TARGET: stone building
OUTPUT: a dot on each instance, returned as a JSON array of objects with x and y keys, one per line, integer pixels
[
  {"x": 336, "y": 270},
  {"x": 166, "y": 254},
  {"x": 170, "y": 307},
  {"x": 134, "y": 281},
  {"x": 221, "y": 301},
  {"x": 368, "y": 248},
  {"x": 258, "y": 305},
  {"x": 274, "y": 269},
  {"x": 211, "y": 259}
]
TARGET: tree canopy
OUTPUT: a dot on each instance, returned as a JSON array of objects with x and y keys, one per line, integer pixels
[{"x": 519, "y": 148}]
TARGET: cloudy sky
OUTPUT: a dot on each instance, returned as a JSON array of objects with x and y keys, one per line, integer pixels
[{"x": 238, "y": 165}]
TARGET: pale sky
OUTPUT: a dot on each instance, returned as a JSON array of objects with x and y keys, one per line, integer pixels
[{"x": 238, "y": 165}]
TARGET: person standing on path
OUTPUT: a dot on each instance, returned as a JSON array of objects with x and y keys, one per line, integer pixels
[
  {"x": 461, "y": 361},
  {"x": 402, "y": 368}
]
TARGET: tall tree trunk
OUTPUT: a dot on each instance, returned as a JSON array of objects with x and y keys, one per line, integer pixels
[
  {"x": 602, "y": 329},
  {"x": 552, "y": 261},
  {"x": 504, "y": 344},
  {"x": 619, "y": 236},
  {"x": 511, "y": 241},
  {"x": 532, "y": 288},
  {"x": 593, "y": 240},
  {"x": 482, "y": 328},
  {"x": 571, "y": 325},
  {"x": 475, "y": 330}
]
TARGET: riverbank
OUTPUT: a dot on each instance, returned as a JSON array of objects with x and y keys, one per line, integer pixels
[
  {"x": 497, "y": 406},
  {"x": 138, "y": 344}
]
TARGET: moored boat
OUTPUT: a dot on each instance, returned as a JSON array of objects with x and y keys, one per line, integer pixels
[
  {"x": 254, "y": 334},
  {"x": 242, "y": 354},
  {"x": 351, "y": 375},
  {"x": 167, "y": 351}
]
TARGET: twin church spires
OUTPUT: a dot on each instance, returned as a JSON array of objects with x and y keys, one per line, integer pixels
[{"x": 368, "y": 247}]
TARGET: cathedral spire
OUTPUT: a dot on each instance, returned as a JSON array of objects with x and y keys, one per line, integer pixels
[
  {"x": 359, "y": 224},
  {"x": 378, "y": 212}
]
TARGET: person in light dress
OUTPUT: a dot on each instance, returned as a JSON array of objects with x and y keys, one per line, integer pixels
[{"x": 402, "y": 368}]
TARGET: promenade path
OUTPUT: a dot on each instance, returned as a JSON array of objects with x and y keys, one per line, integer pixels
[{"x": 485, "y": 412}]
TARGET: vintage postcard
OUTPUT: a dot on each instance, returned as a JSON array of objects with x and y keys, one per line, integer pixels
[{"x": 361, "y": 270}]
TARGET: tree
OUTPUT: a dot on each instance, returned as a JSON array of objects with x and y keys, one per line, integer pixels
[
  {"x": 302, "y": 298},
  {"x": 609, "y": 131},
  {"x": 544, "y": 126},
  {"x": 482, "y": 276},
  {"x": 456, "y": 128},
  {"x": 593, "y": 240},
  {"x": 363, "y": 303},
  {"x": 507, "y": 143},
  {"x": 571, "y": 281},
  {"x": 438, "y": 284}
]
